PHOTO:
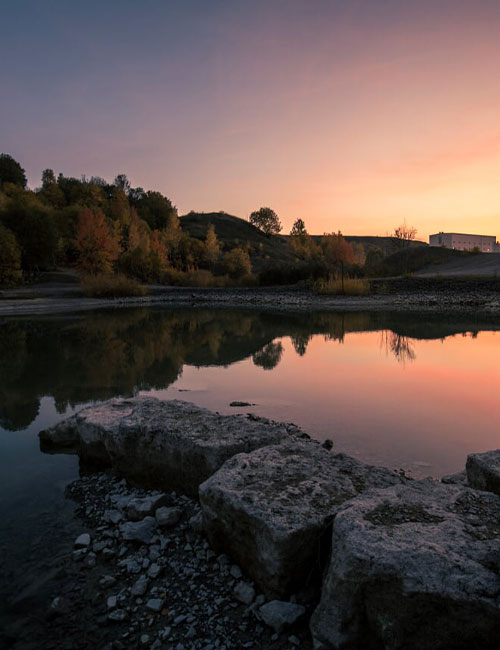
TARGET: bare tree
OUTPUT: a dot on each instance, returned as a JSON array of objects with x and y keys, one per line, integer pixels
[{"x": 403, "y": 235}]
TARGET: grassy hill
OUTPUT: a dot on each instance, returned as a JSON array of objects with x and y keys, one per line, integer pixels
[
  {"x": 232, "y": 232},
  {"x": 412, "y": 259},
  {"x": 386, "y": 244},
  {"x": 273, "y": 252}
]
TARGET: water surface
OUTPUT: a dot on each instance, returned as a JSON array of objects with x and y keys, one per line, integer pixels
[{"x": 391, "y": 389}]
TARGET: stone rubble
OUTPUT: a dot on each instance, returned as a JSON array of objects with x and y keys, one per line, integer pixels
[
  {"x": 166, "y": 593},
  {"x": 410, "y": 564}
]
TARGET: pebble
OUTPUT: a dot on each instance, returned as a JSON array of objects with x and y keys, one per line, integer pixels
[
  {"x": 167, "y": 586},
  {"x": 139, "y": 587},
  {"x": 83, "y": 541},
  {"x": 155, "y": 604},
  {"x": 244, "y": 592},
  {"x": 118, "y": 615},
  {"x": 166, "y": 516}
]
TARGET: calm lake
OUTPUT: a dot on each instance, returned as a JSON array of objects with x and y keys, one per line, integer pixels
[{"x": 391, "y": 389}]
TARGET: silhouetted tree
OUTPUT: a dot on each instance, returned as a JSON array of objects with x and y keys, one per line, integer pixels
[
  {"x": 122, "y": 183},
  {"x": 403, "y": 235},
  {"x": 156, "y": 210},
  {"x": 298, "y": 229},
  {"x": 11, "y": 171},
  {"x": 266, "y": 220}
]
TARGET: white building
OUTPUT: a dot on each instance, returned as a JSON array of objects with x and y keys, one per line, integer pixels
[{"x": 463, "y": 242}]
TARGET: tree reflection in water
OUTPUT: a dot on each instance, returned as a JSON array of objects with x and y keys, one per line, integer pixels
[
  {"x": 95, "y": 356},
  {"x": 399, "y": 345}
]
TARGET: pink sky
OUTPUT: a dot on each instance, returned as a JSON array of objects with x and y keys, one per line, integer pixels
[{"x": 351, "y": 115}]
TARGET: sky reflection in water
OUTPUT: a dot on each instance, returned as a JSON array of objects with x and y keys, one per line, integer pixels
[{"x": 395, "y": 390}]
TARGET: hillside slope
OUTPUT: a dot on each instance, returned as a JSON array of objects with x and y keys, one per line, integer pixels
[
  {"x": 232, "y": 232},
  {"x": 482, "y": 264}
]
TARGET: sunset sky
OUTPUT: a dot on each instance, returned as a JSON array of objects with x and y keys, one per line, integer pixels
[{"x": 351, "y": 114}]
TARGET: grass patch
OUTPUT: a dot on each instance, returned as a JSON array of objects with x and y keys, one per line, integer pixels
[
  {"x": 333, "y": 287},
  {"x": 111, "y": 286}
]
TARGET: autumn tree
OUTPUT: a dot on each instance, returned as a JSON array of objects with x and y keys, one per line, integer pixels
[
  {"x": 337, "y": 252},
  {"x": 266, "y": 220},
  {"x": 119, "y": 207},
  {"x": 96, "y": 243},
  {"x": 11, "y": 171},
  {"x": 212, "y": 247},
  {"x": 301, "y": 242},
  {"x": 158, "y": 255},
  {"x": 237, "y": 262}
]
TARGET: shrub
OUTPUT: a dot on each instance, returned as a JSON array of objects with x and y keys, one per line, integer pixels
[
  {"x": 333, "y": 287},
  {"x": 10, "y": 258},
  {"x": 237, "y": 262},
  {"x": 203, "y": 278},
  {"x": 111, "y": 286}
]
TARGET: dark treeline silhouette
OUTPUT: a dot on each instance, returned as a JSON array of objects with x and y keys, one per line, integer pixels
[{"x": 99, "y": 355}]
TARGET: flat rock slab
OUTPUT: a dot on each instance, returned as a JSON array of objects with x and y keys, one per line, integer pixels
[
  {"x": 174, "y": 445},
  {"x": 483, "y": 471},
  {"x": 271, "y": 509},
  {"x": 414, "y": 566}
]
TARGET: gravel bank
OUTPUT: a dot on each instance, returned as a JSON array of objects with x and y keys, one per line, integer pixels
[
  {"x": 151, "y": 583},
  {"x": 395, "y": 294}
]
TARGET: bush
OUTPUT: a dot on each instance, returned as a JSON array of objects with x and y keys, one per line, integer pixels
[
  {"x": 202, "y": 278},
  {"x": 236, "y": 262},
  {"x": 299, "y": 272},
  {"x": 333, "y": 287},
  {"x": 111, "y": 286}
]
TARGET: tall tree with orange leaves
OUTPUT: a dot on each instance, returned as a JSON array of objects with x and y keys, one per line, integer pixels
[
  {"x": 337, "y": 251},
  {"x": 96, "y": 243}
]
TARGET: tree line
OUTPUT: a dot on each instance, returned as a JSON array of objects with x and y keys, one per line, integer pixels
[
  {"x": 103, "y": 228},
  {"x": 99, "y": 227}
]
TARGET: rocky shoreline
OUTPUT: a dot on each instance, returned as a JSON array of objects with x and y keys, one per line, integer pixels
[
  {"x": 286, "y": 529},
  {"x": 395, "y": 294},
  {"x": 288, "y": 545}
]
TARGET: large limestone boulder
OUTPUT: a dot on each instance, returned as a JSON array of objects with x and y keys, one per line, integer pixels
[
  {"x": 483, "y": 471},
  {"x": 174, "y": 445},
  {"x": 413, "y": 566},
  {"x": 271, "y": 509}
]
